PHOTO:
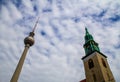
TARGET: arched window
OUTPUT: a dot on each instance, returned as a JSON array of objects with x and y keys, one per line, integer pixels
[
  {"x": 108, "y": 77},
  {"x": 90, "y": 63},
  {"x": 94, "y": 78},
  {"x": 103, "y": 62}
]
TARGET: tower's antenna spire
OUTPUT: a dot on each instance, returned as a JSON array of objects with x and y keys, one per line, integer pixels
[{"x": 36, "y": 24}]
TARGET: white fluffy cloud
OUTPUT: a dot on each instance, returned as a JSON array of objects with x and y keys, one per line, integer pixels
[{"x": 59, "y": 38}]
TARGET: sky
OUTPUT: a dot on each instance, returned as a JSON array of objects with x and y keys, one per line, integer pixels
[{"x": 59, "y": 37}]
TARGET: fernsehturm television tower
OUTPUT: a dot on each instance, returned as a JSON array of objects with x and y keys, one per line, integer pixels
[{"x": 28, "y": 41}]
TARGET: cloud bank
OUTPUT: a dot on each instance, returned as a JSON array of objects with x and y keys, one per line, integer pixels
[{"x": 58, "y": 49}]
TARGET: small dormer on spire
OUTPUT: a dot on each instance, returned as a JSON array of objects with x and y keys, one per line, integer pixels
[{"x": 90, "y": 45}]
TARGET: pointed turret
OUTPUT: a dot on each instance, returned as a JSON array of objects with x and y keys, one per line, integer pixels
[{"x": 90, "y": 45}]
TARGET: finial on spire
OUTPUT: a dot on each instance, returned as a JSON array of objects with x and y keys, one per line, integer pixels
[
  {"x": 36, "y": 24},
  {"x": 86, "y": 30}
]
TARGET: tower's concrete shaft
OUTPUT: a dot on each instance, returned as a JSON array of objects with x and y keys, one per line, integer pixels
[
  {"x": 20, "y": 64},
  {"x": 28, "y": 41}
]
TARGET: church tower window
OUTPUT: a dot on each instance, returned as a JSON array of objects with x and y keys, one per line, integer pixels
[
  {"x": 103, "y": 62},
  {"x": 90, "y": 63}
]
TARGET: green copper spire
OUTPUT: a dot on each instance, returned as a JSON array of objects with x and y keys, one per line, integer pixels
[
  {"x": 88, "y": 36},
  {"x": 90, "y": 45}
]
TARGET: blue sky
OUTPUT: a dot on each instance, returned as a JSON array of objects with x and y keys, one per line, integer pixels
[{"x": 59, "y": 37}]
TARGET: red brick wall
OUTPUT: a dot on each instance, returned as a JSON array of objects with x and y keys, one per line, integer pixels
[{"x": 83, "y": 80}]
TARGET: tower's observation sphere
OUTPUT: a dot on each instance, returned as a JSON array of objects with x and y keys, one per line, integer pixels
[{"x": 29, "y": 40}]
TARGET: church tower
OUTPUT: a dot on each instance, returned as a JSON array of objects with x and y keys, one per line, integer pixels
[{"x": 95, "y": 63}]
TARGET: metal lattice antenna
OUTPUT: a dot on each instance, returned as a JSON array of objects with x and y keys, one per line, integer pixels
[{"x": 36, "y": 24}]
